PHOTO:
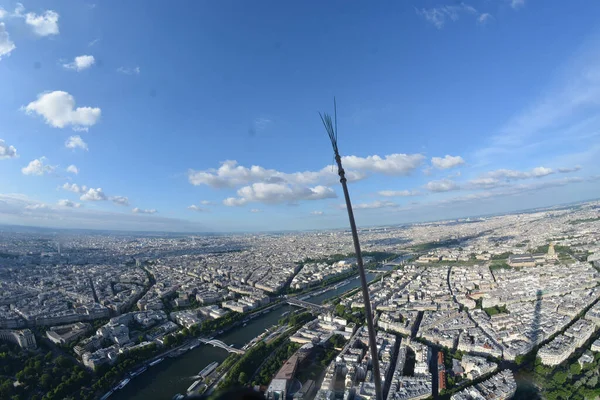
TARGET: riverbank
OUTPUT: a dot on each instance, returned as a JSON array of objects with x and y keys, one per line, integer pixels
[{"x": 175, "y": 375}]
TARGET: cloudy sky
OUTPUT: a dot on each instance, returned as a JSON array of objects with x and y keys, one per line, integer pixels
[{"x": 203, "y": 115}]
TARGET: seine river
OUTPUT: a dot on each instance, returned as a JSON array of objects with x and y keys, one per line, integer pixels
[{"x": 175, "y": 375}]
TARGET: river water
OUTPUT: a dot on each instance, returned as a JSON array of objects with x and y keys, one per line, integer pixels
[
  {"x": 352, "y": 284},
  {"x": 175, "y": 375}
]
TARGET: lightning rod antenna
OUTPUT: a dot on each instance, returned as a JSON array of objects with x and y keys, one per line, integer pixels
[{"x": 331, "y": 128}]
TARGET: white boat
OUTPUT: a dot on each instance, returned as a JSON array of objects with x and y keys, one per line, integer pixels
[
  {"x": 178, "y": 396},
  {"x": 139, "y": 371},
  {"x": 153, "y": 363},
  {"x": 123, "y": 383},
  {"x": 107, "y": 395},
  {"x": 194, "y": 385},
  {"x": 208, "y": 369}
]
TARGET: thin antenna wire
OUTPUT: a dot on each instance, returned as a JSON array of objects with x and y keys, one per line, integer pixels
[
  {"x": 335, "y": 117},
  {"x": 332, "y": 133}
]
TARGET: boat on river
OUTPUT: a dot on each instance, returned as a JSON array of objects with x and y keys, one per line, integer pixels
[
  {"x": 208, "y": 369},
  {"x": 194, "y": 385},
  {"x": 153, "y": 363},
  {"x": 107, "y": 395},
  {"x": 123, "y": 383},
  {"x": 139, "y": 371}
]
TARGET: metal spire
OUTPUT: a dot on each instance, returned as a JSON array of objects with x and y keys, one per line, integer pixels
[{"x": 331, "y": 128}]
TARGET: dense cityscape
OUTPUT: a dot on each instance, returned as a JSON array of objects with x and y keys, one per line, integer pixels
[{"x": 479, "y": 308}]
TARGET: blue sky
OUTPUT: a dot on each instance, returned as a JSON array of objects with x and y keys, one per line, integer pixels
[{"x": 202, "y": 116}]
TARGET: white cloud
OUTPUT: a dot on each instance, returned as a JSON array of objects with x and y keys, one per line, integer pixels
[
  {"x": 129, "y": 71},
  {"x": 510, "y": 174},
  {"x": 538, "y": 172},
  {"x": 316, "y": 213},
  {"x": 68, "y": 203},
  {"x": 567, "y": 106},
  {"x": 234, "y": 202},
  {"x": 58, "y": 109},
  {"x": 194, "y": 207},
  {"x": 19, "y": 8},
  {"x": 438, "y": 16},
  {"x": 500, "y": 177},
  {"x": 484, "y": 18},
  {"x": 393, "y": 164},
  {"x": 93, "y": 195},
  {"x": 255, "y": 210},
  {"x": 45, "y": 24},
  {"x": 141, "y": 211},
  {"x": 93, "y": 42},
  {"x": 517, "y": 3},
  {"x": 276, "y": 193},
  {"x": 38, "y": 206},
  {"x": 73, "y": 169},
  {"x": 80, "y": 63},
  {"x": 230, "y": 174},
  {"x": 398, "y": 193},
  {"x": 207, "y": 203},
  {"x": 260, "y": 124},
  {"x": 447, "y": 162},
  {"x": 2, "y": 13},
  {"x": 13, "y": 211},
  {"x": 74, "y": 142},
  {"x": 73, "y": 187},
  {"x": 6, "y": 45},
  {"x": 38, "y": 167},
  {"x": 564, "y": 170},
  {"x": 373, "y": 205},
  {"x": 443, "y": 185},
  {"x": 484, "y": 182},
  {"x": 120, "y": 200},
  {"x": 7, "y": 151}
]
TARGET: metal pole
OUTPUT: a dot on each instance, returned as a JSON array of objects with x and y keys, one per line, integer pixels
[{"x": 363, "y": 281}]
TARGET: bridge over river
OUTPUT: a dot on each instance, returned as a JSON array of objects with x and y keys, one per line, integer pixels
[
  {"x": 218, "y": 343},
  {"x": 304, "y": 304}
]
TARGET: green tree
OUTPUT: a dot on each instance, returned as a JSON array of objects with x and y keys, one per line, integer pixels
[
  {"x": 169, "y": 340},
  {"x": 559, "y": 378},
  {"x": 45, "y": 381},
  {"x": 63, "y": 361},
  {"x": 575, "y": 369},
  {"x": 38, "y": 366},
  {"x": 242, "y": 378},
  {"x": 20, "y": 376}
]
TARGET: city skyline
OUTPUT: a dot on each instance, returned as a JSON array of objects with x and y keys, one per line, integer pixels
[
  {"x": 17, "y": 227},
  {"x": 488, "y": 112},
  {"x": 504, "y": 307}
]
